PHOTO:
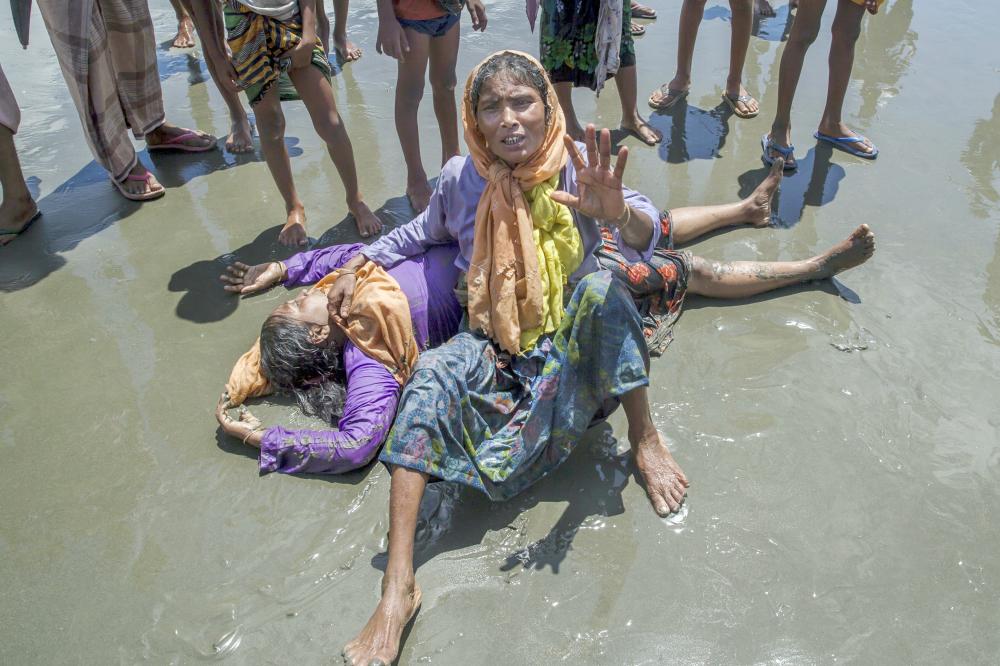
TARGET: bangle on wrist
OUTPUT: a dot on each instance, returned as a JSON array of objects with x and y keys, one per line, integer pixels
[
  {"x": 628, "y": 218},
  {"x": 247, "y": 436}
]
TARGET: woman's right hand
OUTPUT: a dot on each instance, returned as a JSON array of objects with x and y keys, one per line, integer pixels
[{"x": 246, "y": 279}]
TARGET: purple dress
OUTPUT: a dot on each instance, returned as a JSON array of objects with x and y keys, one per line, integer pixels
[{"x": 372, "y": 393}]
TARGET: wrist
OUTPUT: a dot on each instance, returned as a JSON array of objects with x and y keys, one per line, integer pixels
[
  {"x": 623, "y": 220},
  {"x": 282, "y": 271}
]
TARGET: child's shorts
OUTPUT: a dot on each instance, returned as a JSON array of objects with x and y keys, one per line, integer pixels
[{"x": 435, "y": 27}]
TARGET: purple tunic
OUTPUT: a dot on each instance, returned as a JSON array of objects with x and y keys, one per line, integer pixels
[
  {"x": 451, "y": 217},
  {"x": 372, "y": 393}
]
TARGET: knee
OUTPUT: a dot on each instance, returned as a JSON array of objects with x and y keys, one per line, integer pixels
[
  {"x": 444, "y": 83},
  {"x": 328, "y": 126},
  {"x": 804, "y": 37},
  {"x": 846, "y": 34},
  {"x": 270, "y": 126},
  {"x": 409, "y": 90}
]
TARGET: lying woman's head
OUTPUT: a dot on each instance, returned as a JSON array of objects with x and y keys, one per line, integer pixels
[
  {"x": 298, "y": 356},
  {"x": 509, "y": 97}
]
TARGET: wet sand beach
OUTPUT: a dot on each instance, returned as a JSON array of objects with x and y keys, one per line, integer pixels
[{"x": 842, "y": 438}]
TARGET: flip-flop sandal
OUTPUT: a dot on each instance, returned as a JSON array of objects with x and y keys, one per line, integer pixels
[
  {"x": 767, "y": 145},
  {"x": 637, "y": 29},
  {"x": 14, "y": 234},
  {"x": 733, "y": 101},
  {"x": 177, "y": 143},
  {"x": 672, "y": 94},
  {"x": 643, "y": 12},
  {"x": 843, "y": 143},
  {"x": 146, "y": 196}
]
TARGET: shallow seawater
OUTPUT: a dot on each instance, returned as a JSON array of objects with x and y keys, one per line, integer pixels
[{"x": 843, "y": 439}]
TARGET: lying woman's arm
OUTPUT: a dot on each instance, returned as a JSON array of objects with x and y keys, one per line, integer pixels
[
  {"x": 372, "y": 395},
  {"x": 302, "y": 268},
  {"x": 311, "y": 266}
]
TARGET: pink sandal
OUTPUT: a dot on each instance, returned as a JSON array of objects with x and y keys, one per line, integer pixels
[
  {"x": 177, "y": 143},
  {"x": 146, "y": 196}
]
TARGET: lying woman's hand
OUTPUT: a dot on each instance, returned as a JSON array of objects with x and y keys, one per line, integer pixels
[
  {"x": 245, "y": 279},
  {"x": 340, "y": 295},
  {"x": 247, "y": 428},
  {"x": 599, "y": 187}
]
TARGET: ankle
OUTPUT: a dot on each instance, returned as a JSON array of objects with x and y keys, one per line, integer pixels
[{"x": 398, "y": 583}]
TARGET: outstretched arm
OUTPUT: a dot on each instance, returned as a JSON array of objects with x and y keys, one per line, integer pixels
[
  {"x": 372, "y": 395},
  {"x": 600, "y": 193}
]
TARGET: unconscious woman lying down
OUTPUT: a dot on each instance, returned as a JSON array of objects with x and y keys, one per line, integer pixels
[
  {"x": 346, "y": 370},
  {"x": 553, "y": 341}
]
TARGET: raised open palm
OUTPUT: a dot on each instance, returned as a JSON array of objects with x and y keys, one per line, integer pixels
[{"x": 598, "y": 185}]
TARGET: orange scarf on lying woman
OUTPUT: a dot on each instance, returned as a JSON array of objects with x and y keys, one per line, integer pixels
[
  {"x": 519, "y": 264},
  {"x": 378, "y": 324}
]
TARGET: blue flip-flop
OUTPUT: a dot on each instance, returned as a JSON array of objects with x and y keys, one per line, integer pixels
[
  {"x": 843, "y": 143},
  {"x": 15, "y": 234},
  {"x": 766, "y": 144}
]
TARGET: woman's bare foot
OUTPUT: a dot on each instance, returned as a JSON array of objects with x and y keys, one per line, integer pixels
[
  {"x": 346, "y": 49},
  {"x": 367, "y": 221},
  {"x": 293, "y": 234},
  {"x": 378, "y": 642},
  {"x": 185, "y": 33},
  {"x": 758, "y": 204},
  {"x": 419, "y": 194},
  {"x": 645, "y": 132},
  {"x": 240, "y": 139},
  {"x": 15, "y": 214},
  {"x": 665, "y": 482},
  {"x": 856, "y": 250}
]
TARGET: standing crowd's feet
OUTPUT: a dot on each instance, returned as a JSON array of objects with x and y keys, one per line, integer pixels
[
  {"x": 185, "y": 34},
  {"x": 842, "y": 137},
  {"x": 741, "y": 102},
  {"x": 367, "y": 222},
  {"x": 642, "y": 130},
  {"x": 240, "y": 139},
  {"x": 293, "y": 234},
  {"x": 172, "y": 137},
  {"x": 669, "y": 95},
  {"x": 419, "y": 195},
  {"x": 345, "y": 49},
  {"x": 139, "y": 184},
  {"x": 772, "y": 150},
  {"x": 16, "y": 215}
]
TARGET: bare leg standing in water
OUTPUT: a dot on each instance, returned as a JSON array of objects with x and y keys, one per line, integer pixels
[
  {"x": 18, "y": 209},
  {"x": 185, "y": 26},
  {"x": 208, "y": 22}
]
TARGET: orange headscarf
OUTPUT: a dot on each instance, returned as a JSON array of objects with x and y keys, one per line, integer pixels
[
  {"x": 506, "y": 293},
  {"x": 379, "y": 324}
]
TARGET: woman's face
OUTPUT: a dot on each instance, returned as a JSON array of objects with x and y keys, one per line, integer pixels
[
  {"x": 511, "y": 116},
  {"x": 309, "y": 308}
]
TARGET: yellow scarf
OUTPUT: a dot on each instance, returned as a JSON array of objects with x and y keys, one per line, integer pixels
[
  {"x": 515, "y": 295},
  {"x": 378, "y": 324}
]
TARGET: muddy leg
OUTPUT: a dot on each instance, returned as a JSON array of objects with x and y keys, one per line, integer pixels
[
  {"x": 378, "y": 642},
  {"x": 742, "y": 279}
]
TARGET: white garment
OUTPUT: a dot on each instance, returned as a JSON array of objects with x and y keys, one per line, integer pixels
[
  {"x": 608, "y": 41},
  {"x": 282, "y": 10}
]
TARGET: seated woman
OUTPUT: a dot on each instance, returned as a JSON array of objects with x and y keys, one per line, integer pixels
[
  {"x": 300, "y": 351},
  {"x": 501, "y": 405}
]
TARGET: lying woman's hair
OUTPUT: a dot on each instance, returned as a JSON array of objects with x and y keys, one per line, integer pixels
[
  {"x": 513, "y": 67},
  {"x": 295, "y": 365}
]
